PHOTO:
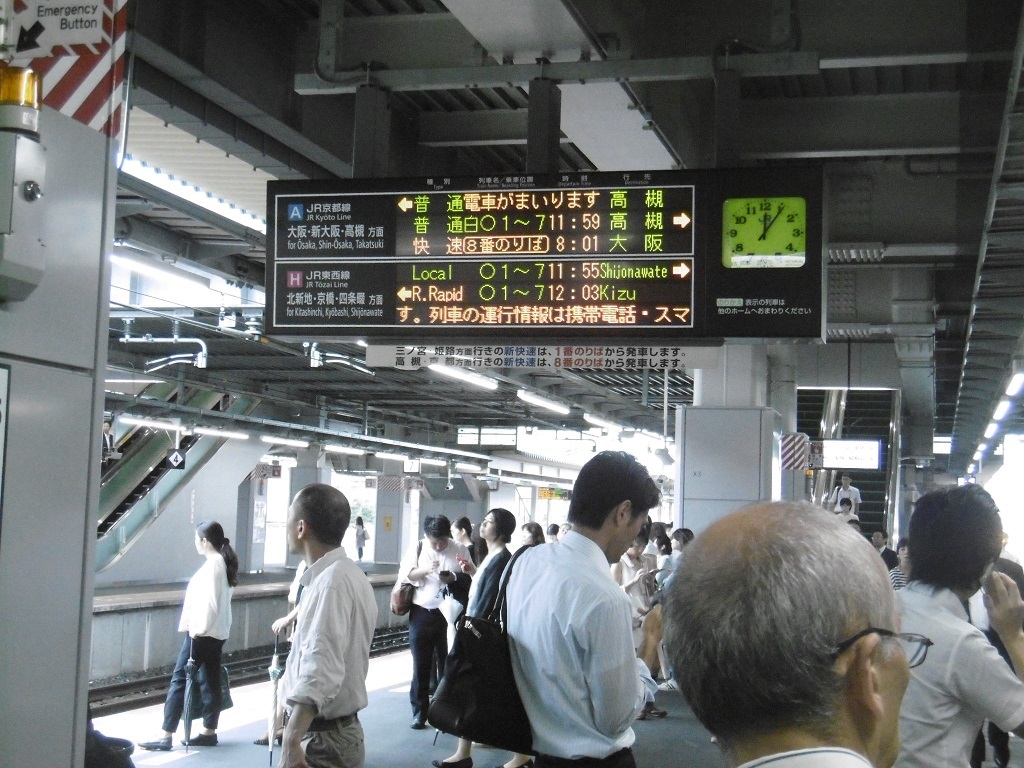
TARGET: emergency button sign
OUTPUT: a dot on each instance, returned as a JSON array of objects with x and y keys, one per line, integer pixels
[{"x": 39, "y": 25}]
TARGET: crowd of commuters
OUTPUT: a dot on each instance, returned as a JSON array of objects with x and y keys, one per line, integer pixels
[{"x": 796, "y": 641}]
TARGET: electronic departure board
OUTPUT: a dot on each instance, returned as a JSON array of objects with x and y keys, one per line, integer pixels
[{"x": 680, "y": 255}]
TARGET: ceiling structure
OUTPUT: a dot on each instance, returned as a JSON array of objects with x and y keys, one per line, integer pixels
[{"x": 911, "y": 107}]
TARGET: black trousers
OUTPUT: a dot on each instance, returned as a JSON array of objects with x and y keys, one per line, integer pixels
[
  {"x": 621, "y": 759},
  {"x": 428, "y": 641},
  {"x": 207, "y": 652}
]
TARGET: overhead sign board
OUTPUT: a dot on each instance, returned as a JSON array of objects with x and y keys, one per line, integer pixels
[
  {"x": 666, "y": 255},
  {"x": 39, "y": 25},
  {"x": 845, "y": 454}
]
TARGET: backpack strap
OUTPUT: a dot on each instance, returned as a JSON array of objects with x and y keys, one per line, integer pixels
[{"x": 499, "y": 612}]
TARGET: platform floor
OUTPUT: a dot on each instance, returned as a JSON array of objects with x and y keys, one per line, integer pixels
[{"x": 677, "y": 740}]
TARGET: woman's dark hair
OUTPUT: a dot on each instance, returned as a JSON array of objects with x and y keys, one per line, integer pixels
[
  {"x": 955, "y": 534},
  {"x": 504, "y": 523},
  {"x": 359, "y": 520},
  {"x": 664, "y": 544},
  {"x": 606, "y": 481},
  {"x": 901, "y": 543},
  {"x": 536, "y": 533},
  {"x": 437, "y": 526},
  {"x": 464, "y": 525},
  {"x": 213, "y": 532}
]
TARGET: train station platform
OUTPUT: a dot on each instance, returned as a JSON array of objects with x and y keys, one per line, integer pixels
[{"x": 676, "y": 740}]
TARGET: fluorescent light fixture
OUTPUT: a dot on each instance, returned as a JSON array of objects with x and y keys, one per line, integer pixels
[
  {"x": 991, "y": 429},
  {"x": 139, "y": 380},
  {"x": 466, "y": 376},
  {"x": 225, "y": 433},
  {"x": 1001, "y": 410},
  {"x": 285, "y": 441},
  {"x": 362, "y": 343},
  {"x": 347, "y": 450},
  {"x": 462, "y": 466},
  {"x": 542, "y": 402},
  {"x": 152, "y": 423},
  {"x": 283, "y": 461},
  {"x": 391, "y": 456},
  {"x": 193, "y": 194},
  {"x": 971, "y": 469},
  {"x": 1014, "y": 387},
  {"x": 150, "y": 268},
  {"x": 978, "y": 454},
  {"x": 433, "y": 462},
  {"x": 597, "y": 421}
]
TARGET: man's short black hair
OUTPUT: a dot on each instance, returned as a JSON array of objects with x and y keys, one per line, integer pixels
[
  {"x": 607, "y": 480},
  {"x": 325, "y": 510},
  {"x": 437, "y": 526},
  {"x": 955, "y": 534},
  {"x": 846, "y": 502},
  {"x": 553, "y": 529}
]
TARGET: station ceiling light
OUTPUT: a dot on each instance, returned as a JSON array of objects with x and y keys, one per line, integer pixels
[
  {"x": 597, "y": 421},
  {"x": 1001, "y": 410},
  {"x": 542, "y": 402},
  {"x": 170, "y": 426},
  {"x": 224, "y": 433},
  {"x": 274, "y": 440},
  {"x": 465, "y": 376},
  {"x": 433, "y": 462},
  {"x": 347, "y": 450},
  {"x": 391, "y": 456}
]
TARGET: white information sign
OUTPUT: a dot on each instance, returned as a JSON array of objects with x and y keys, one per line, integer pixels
[
  {"x": 39, "y": 25},
  {"x": 530, "y": 356},
  {"x": 851, "y": 454}
]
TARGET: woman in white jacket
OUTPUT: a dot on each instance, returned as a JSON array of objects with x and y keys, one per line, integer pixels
[{"x": 206, "y": 620}]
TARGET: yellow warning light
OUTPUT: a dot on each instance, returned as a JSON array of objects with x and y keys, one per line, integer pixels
[{"x": 19, "y": 86}]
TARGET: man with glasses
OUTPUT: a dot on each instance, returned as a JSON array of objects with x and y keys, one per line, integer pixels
[
  {"x": 782, "y": 629},
  {"x": 955, "y": 537}
]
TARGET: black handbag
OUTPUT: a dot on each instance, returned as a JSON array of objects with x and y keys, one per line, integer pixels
[{"x": 477, "y": 698}]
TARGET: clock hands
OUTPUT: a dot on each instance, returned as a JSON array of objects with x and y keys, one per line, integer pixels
[{"x": 769, "y": 220}]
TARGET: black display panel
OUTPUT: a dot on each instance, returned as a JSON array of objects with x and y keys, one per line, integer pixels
[{"x": 667, "y": 255}]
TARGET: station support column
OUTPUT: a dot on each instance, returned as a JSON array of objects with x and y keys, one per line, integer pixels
[
  {"x": 53, "y": 349},
  {"x": 728, "y": 440}
]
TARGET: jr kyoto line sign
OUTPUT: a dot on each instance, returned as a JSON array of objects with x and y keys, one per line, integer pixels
[{"x": 667, "y": 255}]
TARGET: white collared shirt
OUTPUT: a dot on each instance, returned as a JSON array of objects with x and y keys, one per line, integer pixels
[
  {"x": 570, "y": 635},
  {"x": 330, "y": 652},
  {"x": 207, "y": 607},
  {"x": 429, "y": 590},
  {"x": 818, "y": 757},
  {"x": 962, "y": 682}
]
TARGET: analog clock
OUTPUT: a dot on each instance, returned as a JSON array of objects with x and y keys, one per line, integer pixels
[{"x": 764, "y": 232}]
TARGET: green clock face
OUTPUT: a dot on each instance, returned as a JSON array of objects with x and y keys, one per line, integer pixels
[{"x": 764, "y": 232}]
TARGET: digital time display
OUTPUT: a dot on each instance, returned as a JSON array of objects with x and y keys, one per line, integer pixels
[{"x": 622, "y": 254}]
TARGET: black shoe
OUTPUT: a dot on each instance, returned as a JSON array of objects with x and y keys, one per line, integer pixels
[
  {"x": 466, "y": 762},
  {"x": 201, "y": 740},
  {"x": 418, "y": 725},
  {"x": 158, "y": 745}
]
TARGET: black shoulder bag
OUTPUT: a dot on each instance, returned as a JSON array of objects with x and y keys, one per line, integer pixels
[{"x": 477, "y": 698}]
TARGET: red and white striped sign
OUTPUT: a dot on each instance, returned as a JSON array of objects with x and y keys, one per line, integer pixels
[
  {"x": 85, "y": 81},
  {"x": 795, "y": 446}
]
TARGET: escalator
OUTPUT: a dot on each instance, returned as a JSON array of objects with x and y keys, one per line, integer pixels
[
  {"x": 863, "y": 415},
  {"x": 137, "y": 488}
]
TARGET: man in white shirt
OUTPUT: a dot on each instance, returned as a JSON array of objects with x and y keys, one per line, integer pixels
[
  {"x": 844, "y": 491},
  {"x": 781, "y": 626},
  {"x": 570, "y": 626},
  {"x": 955, "y": 538},
  {"x": 324, "y": 682}
]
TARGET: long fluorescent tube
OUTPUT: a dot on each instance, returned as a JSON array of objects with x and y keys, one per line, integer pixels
[
  {"x": 1014, "y": 387},
  {"x": 464, "y": 467},
  {"x": 344, "y": 449},
  {"x": 597, "y": 421},
  {"x": 542, "y": 402},
  {"x": 991, "y": 429},
  {"x": 467, "y": 376},
  {"x": 391, "y": 456},
  {"x": 153, "y": 423},
  {"x": 971, "y": 469},
  {"x": 133, "y": 381},
  {"x": 1001, "y": 410},
  {"x": 978, "y": 454},
  {"x": 210, "y": 431},
  {"x": 284, "y": 441},
  {"x": 433, "y": 462},
  {"x": 143, "y": 266}
]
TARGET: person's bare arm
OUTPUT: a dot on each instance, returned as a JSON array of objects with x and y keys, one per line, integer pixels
[{"x": 1006, "y": 616}]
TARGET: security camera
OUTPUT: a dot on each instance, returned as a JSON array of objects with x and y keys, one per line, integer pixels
[{"x": 450, "y": 486}]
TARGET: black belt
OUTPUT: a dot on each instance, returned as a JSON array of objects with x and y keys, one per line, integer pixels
[{"x": 324, "y": 724}]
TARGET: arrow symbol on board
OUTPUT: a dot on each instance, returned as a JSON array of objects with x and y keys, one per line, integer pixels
[
  {"x": 680, "y": 270},
  {"x": 405, "y": 204},
  {"x": 29, "y": 38},
  {"x": 681, "y": 220},
  {"x": 404, "y": 293}
]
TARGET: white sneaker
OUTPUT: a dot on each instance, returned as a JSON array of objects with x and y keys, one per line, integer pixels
[{"x": 668, "y": 685}]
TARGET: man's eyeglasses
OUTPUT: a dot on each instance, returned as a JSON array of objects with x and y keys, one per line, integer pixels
[{"x": 914, "y": 646}]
